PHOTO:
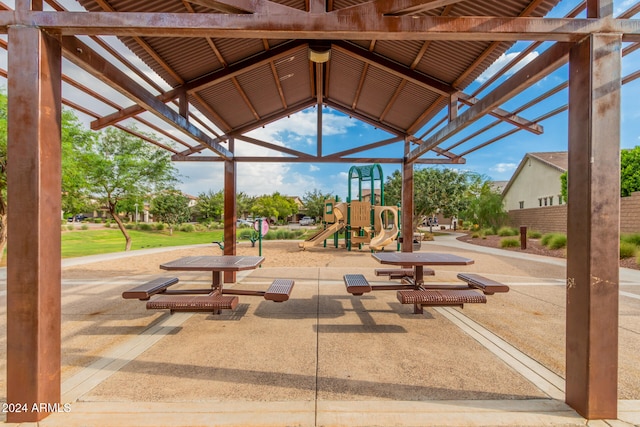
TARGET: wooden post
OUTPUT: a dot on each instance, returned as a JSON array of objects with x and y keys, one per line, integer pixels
[
  {"x": 33, "y": 250},
  {"x": 592, "y": 232},
  {"x": 407, "y": 201},
  {"x": 230, "y": 217}
]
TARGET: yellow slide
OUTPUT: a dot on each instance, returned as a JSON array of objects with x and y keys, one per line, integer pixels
[
  {"x": 324, "y": 234},
  {"x": 384, "y": 237}
]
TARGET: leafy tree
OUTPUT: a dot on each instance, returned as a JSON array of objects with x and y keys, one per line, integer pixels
[
  {"x": 314, "y": 202},
  {"x": 244, "y": 204},
  {"x": 119, "y": 166},
  {"x": 210, "y": 205},
  {"x": 485, "y": 206},
  {"x": 75, "y": 198},
  {"x": 434, "y": 190},
  {"x": 563, "y": 186},
  {"x": 172, "y": 208},
  {"x": 629, "y": 171},
  {"x": 275, "y": 205}
]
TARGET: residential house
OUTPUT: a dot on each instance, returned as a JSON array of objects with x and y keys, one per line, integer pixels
[{"x": 536, "y": 181}]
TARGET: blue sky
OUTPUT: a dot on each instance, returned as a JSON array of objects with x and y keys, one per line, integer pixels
[{"x": 497, "y": 161}]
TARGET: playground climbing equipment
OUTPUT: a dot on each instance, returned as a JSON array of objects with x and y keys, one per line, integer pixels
[{"x": 363, "y": 218}]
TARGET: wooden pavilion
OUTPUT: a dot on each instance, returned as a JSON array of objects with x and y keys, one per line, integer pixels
[{"x": 240, "y": 64}]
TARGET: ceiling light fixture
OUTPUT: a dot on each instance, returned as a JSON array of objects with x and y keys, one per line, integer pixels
[{"x": 320, "y": 51}]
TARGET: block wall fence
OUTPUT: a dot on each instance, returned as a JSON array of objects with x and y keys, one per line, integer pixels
[{"x": 554, "y": 218}]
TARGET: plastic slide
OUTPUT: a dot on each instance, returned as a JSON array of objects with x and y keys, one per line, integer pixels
[
  {"x": 324, "y": 234},
  {"x": 385, "y": 237}
]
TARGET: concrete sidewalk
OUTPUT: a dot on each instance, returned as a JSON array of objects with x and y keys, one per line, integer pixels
[{"x": 326, "y": 358}]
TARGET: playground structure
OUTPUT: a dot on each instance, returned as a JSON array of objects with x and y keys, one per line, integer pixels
[{"x": 365, "y": 220}]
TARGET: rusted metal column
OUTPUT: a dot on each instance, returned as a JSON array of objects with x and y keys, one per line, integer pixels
[
  {"x": 592, "y": 230},
  {"x": 230, "y": 217},
  {"x": 33, "y": 250},
  {"x": 407, "y": 201}
]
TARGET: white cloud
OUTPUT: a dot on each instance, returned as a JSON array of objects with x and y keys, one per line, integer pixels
[
  {"x": 313, "y": 168},
  {"x": 504, "y": 167},
  {"x": 502, "y": 61}
]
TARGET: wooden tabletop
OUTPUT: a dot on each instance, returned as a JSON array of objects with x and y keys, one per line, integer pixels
[
  {"x": 214, "y": 263},
  {"x": 409, "y": 259}
]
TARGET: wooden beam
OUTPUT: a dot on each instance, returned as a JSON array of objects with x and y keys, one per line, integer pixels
[
  {"x": 366, "y": 147},
  {"x": 33, "y": 256},
  {"x": 417, "y": 6},
  {"x": 271, "y": 146},
  {"x": 505, "y": 116},
  {"x": 548, "y": 61},
  {"x": 392, "y": 67},
  {"x": 81, "y": 55},
  {"x": 237, "y": 7},
  {"x": 593, "y": 229},
  {"x": 200, "y": 83},
  {"x": 340, "y": 24},
  {"x": 364, "y": 118}
]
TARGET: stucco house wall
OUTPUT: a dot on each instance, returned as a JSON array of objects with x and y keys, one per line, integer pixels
[{"x": 534, "y": 184}]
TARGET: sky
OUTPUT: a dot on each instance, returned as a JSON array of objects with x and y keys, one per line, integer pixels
[{"x": 496, "y": 161}]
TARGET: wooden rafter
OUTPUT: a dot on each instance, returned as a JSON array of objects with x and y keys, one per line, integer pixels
[
  {"x": 548, "y": 61},
  {"x": 340, "y": 24},
  {"x": 81, "y": 55}
]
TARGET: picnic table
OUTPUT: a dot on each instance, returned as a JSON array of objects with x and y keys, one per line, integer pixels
[
  {"x": 213, "y": 299},
  {"x": 418, "y": 260}
]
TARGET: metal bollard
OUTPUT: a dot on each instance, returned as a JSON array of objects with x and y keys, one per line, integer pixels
[{"x": 523, "y": 237}]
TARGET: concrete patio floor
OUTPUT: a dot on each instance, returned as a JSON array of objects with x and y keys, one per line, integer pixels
[{"x": 326, "y": 358}]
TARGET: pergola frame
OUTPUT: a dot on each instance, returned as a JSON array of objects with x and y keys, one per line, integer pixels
[{"x": 38, "y": 40}]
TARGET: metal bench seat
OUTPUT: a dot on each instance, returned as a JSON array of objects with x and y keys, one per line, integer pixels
[
  {"x": 152, "y": 287},
  {"x": 279, "y": 290},
  {"x": 486, "y": 285},
  {"x": 214, "y": 302},
  {"x": 356, "y": 284},
  {"x": 440, "y": 297}
]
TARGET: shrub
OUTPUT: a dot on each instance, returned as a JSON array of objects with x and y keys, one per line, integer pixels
[
  {"x": 509, "y": 243},
  {"x": 544, "y": 241},
  {"x": 627, "y": 250},
  {"x": 70, "y": 227},
  {"x": 532, "y": 234},
  {"x": 97, "y": 220},
  {"x": 631, "y": 238},
  {"x": 85, "y": 227},
  {"x": 187, "y": 228},
  {"x": 507, "y": 231},
  {"x": 129, "y": 226},
  {"x": 489, "y": 231},
  {"x": 145, "y": 227},
  {"x": 558, "y": 241},
  {"x": 159, "y": 226},
  {"x": 107, "y": 224},
  {"x": 638, "y": 259},
  {"x": 245, "y": 234},
  {"x": 475, "y": 235}
]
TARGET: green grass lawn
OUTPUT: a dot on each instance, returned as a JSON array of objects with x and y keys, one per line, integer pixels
[{"x": 92, "y": 242}]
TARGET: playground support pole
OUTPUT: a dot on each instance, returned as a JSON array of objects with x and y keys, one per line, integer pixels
[
  {"x": 347, "y": 235},
  {"x": 407, "y": 201}
]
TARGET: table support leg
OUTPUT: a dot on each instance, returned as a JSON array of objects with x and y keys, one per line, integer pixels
[
  {"x": 417, "y": 309},
  {"x": 217, "y": 280},
  {"x": 418, "y": 273}
]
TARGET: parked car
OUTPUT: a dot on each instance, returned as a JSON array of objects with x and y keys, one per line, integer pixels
[
  {"x": 77, "y": 218},
  {"x": 430, "y": 221},
  {"x": 307, "y": 220},
  {"x": 244, "y": 223}
]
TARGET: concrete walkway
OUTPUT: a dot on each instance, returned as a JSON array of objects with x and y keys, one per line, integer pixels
[{"x": 326, "y": 358}]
